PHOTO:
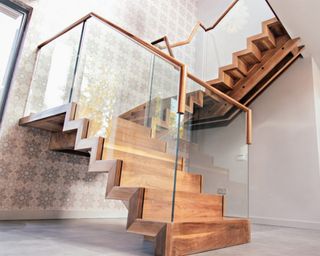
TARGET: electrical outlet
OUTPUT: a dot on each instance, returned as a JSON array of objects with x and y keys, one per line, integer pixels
[{"x": 222, "y": 191}]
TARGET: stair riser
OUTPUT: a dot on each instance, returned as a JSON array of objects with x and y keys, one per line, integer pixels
[{"x": 186, "y": 208}]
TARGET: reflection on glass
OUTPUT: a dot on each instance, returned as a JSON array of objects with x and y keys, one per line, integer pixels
[
  {"x": 213, "y": 142},
  {"x": 130, "y": 97},
  {"x": 52, "y": 81}
]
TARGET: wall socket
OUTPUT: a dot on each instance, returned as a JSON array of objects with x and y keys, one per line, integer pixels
[{"x": 222, "y": 191}]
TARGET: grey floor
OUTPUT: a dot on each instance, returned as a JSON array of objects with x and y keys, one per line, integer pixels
[{"x": 108, "y": 237}]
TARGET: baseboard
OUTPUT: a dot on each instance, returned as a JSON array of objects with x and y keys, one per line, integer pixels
[
  {"x": 286, "y": 222},
  {"x": 60, "y": 214}
]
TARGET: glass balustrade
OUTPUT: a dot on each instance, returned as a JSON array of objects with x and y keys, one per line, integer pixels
[
  {"x": 213, "y": 144},
  {"x": 131, "y": 95},
  {"x": 53, "y": 76}
]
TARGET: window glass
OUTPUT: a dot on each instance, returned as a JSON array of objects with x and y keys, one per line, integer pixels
[{"x": 11, "y": 25}]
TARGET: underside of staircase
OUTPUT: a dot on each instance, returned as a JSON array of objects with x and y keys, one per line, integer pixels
[{"x": 141, "y": 175}]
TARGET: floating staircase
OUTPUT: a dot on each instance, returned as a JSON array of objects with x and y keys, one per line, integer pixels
[
  {"x": 142, "y": 175},
  {"x": 267, "y": 55}
]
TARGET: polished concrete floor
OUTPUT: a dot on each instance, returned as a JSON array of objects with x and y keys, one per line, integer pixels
[{"x": 108, "y": 237}]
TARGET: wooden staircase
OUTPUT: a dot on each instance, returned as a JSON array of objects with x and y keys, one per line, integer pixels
[
  {"x": 267, "y": 55},
  {"x": 141, "y": 173},
  {"x": 156, "y": 113},
  {"x": 252, "y": 70},
  {"x": 140, "y": 164}
]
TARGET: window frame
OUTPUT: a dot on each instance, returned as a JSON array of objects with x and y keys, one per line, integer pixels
[{"x": 26, "y": 12}]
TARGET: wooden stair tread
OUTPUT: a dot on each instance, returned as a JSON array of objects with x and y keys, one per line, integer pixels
[
  {"x": 263, "y": 41},
  {"x": 188, "y": 206},
  {"x": 50, "y": 120},
  {"x": 142, "y": 175},
  {"x": 220, "y": 85},
  {"x": 139, "y": 142},
  {"x": 275, "y": 27},
  {"x": 139, "y": 151},
  {"x": 133, "y": 127}
]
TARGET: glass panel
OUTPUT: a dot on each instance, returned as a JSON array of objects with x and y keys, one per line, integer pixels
[
  {"x": 130, "y": 97},
  {"x": 53, "y": 77},
  {"x": 213, "y": 143},
  {"x": 230, "y": 35}
]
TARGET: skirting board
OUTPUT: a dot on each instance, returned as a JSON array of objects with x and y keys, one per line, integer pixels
[
  {"x": 61, "y": 214},
  {"x": 286, "y": 223}
]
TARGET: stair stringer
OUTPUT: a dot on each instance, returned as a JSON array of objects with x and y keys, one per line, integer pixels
[{"x": 45, "y": 120}]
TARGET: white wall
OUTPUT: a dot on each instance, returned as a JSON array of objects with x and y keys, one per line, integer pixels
[
  {"x": 284, "y": 156},
  {"x": 301, "y": 23}
]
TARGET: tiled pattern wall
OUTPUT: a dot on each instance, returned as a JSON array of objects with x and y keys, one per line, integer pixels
[{"x": 35, "y": 179}]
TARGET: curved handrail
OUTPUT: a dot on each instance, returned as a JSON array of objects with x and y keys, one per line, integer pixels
[{"x": 173, "y": 61}]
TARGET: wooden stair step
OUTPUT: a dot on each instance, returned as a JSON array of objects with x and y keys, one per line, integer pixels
[
  {"x": 142, "y": 171},
  {"x": 123, "y": 124},
  {"x": 196, "y": 237},
  {"x": 194, "y": 98},
  {"x": 44, "y": 121},
  {"x": 138, "y": 109},
  {"x": 138, "y": 135},
  {"x": 246, "y": 59},
  {"x": 233, "y": 71},
  {"x": 120, "y": 139},
  {"x": 264, "y": 41},
  {"x": 147, "y": 154},
  {"x": 275, "y": 27},
  {"x": 220, "y": 85},
  {"x": 157, "y": 206},
  {"x": 184, "y": 238},
  {"x": 128, "y": 138}
]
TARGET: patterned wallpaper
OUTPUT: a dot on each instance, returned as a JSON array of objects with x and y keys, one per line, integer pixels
[{"x": 34, "y": 180}]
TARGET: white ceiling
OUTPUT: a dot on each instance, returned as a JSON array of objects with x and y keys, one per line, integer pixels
[{"x": 301, "y": 18}]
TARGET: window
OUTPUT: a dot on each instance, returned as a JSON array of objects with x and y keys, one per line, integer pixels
[{"x": 13, "y": 21}]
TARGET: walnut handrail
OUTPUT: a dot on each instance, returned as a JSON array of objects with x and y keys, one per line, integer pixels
[
  {"x": 184, "y": 74},
  {"x": 194, "y": 31},
  {"x": 198, "y": 25}
]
